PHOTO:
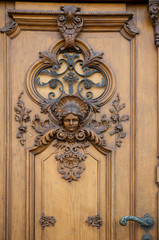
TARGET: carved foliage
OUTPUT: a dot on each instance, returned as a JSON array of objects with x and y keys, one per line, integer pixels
[
  {"x": 46, "y": 221},
  {"x": 117, "y": 120},
  {"x": 22, "y": 116},
  {"x": 154, "y": 14},
  {"x": 94, "y": 221},
  {"x": 70, "y": 24}
]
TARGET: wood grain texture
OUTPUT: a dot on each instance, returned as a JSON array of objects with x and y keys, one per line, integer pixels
[{"x": 122, "y": 183}]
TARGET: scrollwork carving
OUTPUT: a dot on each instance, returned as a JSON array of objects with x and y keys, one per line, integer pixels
[{"x": 22, "y": 116}]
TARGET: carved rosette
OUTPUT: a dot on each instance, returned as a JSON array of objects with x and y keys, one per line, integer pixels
[
  {"x": 94, "y": 221},
  {"x": 154, "y": 14}
]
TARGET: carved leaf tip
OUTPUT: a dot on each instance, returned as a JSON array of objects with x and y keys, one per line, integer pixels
[
  {"x": 93, "y": 58},
  {"x": 48, "y": 57}
]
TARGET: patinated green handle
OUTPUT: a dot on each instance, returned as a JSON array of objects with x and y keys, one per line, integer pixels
[{"x": 145, "y": 222}]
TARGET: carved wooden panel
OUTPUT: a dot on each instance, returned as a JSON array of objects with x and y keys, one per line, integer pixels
[{"x": 88, "y": 146}]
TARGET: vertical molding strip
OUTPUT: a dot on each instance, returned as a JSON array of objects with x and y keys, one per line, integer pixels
[
  {"x": 8, "y": 138},
  {"x": 133, "y": 136},
  {"x": 154, "y": 14},
  {"x": 157, "y": 101}
]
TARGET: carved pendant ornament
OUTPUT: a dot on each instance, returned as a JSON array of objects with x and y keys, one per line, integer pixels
[{"x": 71, "y": 83}]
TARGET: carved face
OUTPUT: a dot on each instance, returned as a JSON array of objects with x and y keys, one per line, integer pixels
[{"x": 71, "y": 123}]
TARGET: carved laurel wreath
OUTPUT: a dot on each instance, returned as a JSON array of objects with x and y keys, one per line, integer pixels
[{"x": 70, "y": 98}]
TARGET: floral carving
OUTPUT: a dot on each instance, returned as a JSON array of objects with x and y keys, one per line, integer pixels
[
  {"x": 22, "y": 116},
  {"x": 117, "y": 120},
  {"x": 46, "y": 221},
  {"x": 94, "y": 221},
  {"x": 70, "y": 24}
]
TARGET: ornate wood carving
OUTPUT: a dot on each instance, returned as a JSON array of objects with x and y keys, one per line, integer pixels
[
  {"x": 77, "y": 83},
  {"x": 70, "y": 24},
  {"x": 94, "y": 221},
  {"x": 129, "y": 30},
  {"x": 22, "y": 116},
  {"x": 117, "y": 120},
  {"x": 154, "y": 14},
  {"x": 11, "y": 29},
  {"x": 46, "y": 221},
  {"x": 71, "y": 134},
  {"x": 92, "y": 21}
]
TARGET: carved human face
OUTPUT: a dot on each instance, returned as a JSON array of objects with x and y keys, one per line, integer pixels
[{"x": 71, "y": 123}]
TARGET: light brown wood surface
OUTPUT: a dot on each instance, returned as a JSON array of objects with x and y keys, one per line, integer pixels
[{"x": 119, "y": 184}]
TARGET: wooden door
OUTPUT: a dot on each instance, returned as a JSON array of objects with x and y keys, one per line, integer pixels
[{"x": 78, "y": 121}]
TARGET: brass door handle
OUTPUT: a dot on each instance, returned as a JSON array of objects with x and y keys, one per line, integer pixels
[{"x": 145, "y": 222}]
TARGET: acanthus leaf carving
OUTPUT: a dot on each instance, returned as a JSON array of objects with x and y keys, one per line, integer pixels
[
  {"x": 48, "y": 57},
  {"x": 70, "y": 24},
  {"x": 92, "y": 58}
]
